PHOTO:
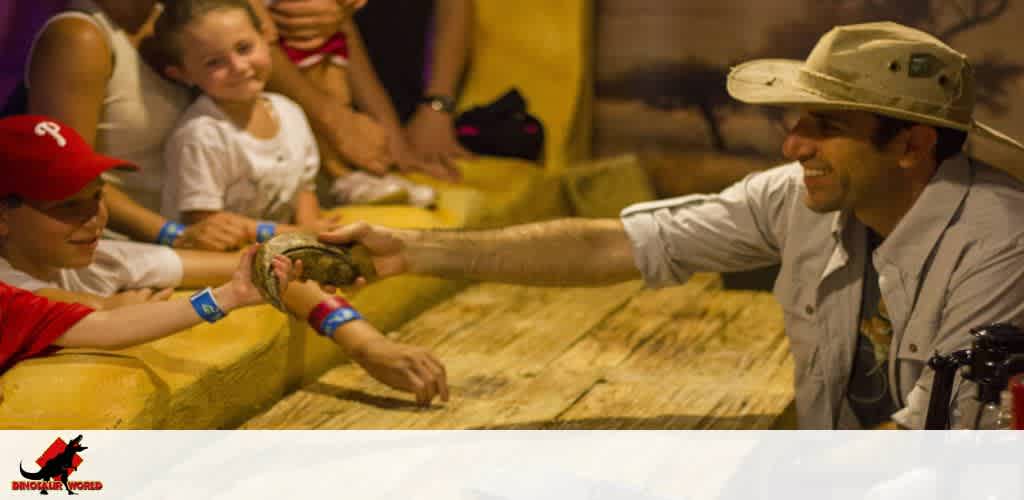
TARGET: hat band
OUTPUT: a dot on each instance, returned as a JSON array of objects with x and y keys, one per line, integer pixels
[{"x": 829, "y": 87}]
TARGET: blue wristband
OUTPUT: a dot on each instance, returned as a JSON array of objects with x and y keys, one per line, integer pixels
[
  {"x": 169, "y": 232},
  {"x": 336, "y": 318},
  {"x": 265, "y": 231},
  {"x": 206, "y": 306}
]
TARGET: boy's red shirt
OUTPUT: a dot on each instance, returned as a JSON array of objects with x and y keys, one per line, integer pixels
[{"x": 30, "y": 324}]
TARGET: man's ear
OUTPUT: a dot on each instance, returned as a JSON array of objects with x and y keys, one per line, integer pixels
[{"x": 919, "y": 145}]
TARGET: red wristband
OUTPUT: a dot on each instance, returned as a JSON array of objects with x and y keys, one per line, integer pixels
[{"x": 317, "y": 315}]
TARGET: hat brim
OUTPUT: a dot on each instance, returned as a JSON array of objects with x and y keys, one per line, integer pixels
[
  {"x": 77, "y": 173},
  {"x": 775, "y": 82}
]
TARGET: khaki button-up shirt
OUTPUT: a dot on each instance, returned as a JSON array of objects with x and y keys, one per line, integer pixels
[{"x": 955, "y": 261}]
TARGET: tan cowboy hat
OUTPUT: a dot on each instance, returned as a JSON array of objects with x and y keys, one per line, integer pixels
[{"x": 885, "y": 68}]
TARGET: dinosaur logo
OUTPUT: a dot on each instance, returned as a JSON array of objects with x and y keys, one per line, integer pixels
[{"x": 56, "y": 465}]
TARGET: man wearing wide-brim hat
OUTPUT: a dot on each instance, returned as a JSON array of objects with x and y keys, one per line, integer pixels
[{"x": 892, "y": 243}]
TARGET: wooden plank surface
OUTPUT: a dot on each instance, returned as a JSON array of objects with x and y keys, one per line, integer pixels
[{"x": 615, "y": 357}]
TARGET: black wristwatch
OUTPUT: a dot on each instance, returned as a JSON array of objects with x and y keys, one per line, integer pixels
[{"x": 439, "y": 103}]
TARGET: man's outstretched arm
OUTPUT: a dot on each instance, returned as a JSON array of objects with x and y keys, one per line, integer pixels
[{"x": 565, "y": 252}]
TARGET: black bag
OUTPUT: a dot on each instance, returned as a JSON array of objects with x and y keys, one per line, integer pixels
[{"x": 502, "y": 128}]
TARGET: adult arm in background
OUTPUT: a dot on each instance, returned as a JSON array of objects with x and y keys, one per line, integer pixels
[
  {"x": 70, "y": 66},
  {"x": 353, "y": 135},
  {"x": 370, "y": 95},
  {"x": 430, "y": 132}
]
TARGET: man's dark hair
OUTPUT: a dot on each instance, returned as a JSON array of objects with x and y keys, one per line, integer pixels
[
  {"x": 179, "y": 13},
  {"x": 948, "y": 143}
]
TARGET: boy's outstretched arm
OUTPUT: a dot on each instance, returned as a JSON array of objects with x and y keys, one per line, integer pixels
[{"x": 140, "y": 323}]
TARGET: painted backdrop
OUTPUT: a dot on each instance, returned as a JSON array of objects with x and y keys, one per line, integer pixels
[{"x": 661, "y": 66}]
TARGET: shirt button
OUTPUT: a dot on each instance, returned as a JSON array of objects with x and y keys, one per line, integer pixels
[
  {"x": 809, "y": 310},
  {"x": 912, "y": 347}
]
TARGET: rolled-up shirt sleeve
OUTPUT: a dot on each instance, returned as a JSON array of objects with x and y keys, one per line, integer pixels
[{"x": 735, "y": 230}]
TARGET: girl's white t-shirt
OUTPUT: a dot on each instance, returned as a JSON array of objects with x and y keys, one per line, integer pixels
[{"x": 212, "y": 165}]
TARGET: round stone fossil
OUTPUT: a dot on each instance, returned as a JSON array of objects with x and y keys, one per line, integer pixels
[{"x": 327, "y": 264}]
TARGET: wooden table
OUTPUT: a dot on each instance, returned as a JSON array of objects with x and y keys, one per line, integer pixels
[{"x": 616, "y": 357}]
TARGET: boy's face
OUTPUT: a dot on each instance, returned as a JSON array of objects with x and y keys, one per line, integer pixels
[
  {"x": 56, "y": 234},
  {"x": 225, "y": 56}
]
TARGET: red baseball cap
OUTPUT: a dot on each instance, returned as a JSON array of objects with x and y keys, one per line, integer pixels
[{"x": 45, "y": 160}]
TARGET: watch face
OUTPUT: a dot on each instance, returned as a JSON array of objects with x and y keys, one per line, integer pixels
[{"x": 440, "y": 103}]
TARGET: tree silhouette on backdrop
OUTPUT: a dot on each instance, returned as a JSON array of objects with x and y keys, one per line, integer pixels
[{"x": 699, "y": 84}]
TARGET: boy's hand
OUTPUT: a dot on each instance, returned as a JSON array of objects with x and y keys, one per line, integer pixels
[
  {"x": 240, "y": 292},
  {"x": 405, "y": 368},
  {"x": 139, "y": 296}
]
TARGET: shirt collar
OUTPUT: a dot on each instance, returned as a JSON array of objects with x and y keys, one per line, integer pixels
[{"x": 912, "y": 240}]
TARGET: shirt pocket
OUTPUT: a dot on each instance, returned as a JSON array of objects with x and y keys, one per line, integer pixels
[{"x": 802, "y": 327}]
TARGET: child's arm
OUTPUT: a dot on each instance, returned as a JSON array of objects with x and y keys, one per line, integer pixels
[
  {"x": 140, "y": 323},
  {"x": 122, "y": 299},
  {"x": 307, "y": 210},
  {"x": 400, "y": 366}
]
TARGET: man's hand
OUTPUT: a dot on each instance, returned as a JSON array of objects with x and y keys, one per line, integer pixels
[
  {"x": 219, "y": 232},
  {"x": 403, "y": 367},
  {"x": 311, "y": 20},
  {"x": 384, "y": 247},
  {"x": 138, "y": 296},
  {"x": 432, "y": 135}
]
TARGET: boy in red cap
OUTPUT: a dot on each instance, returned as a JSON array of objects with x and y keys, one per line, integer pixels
[
  {"x": 51, "y": 218},
  {"x": 51, "y": 178}
]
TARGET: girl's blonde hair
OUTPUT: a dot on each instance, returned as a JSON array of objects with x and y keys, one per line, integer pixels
[{"x": 179, "y": 13}]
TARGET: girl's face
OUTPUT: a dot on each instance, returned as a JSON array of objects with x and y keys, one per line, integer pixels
[{"x": 224, "y": 55}]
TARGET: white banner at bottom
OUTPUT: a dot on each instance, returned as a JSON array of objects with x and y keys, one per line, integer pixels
[{"x": 513, "y": 465}]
